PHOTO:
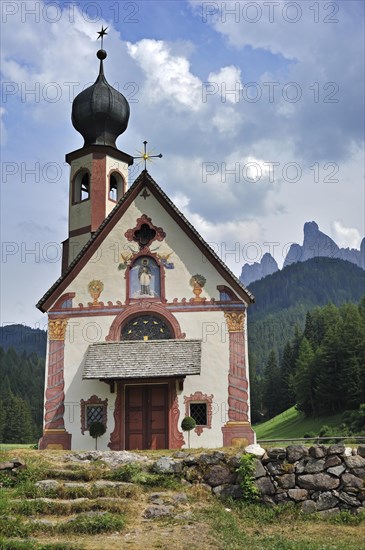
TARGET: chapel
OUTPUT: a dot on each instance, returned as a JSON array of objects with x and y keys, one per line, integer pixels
[{"x": 146, "y": 324}]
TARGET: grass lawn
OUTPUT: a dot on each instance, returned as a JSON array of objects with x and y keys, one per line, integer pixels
[
  {"x": 11, "y": 446},
  {"x": 292, "y": 423},
  {"x": 114, "y": 517}
]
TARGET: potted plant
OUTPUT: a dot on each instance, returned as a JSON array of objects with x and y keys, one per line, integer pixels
[
  {"x": 95, "y": 288},
  {"x": 197, "y": 282},
  {"x": 187, "y": 424}
]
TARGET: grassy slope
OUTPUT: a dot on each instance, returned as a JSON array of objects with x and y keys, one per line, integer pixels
[{"x": 292, "y": 423}]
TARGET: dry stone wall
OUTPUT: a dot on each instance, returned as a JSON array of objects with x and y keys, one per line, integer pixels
[{"x": 324, "y": 479}]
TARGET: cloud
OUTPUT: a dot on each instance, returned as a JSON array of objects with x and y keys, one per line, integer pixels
[
  {"x": 168, "y": 77},
  {"x": 229, "y": 240},
  {"x": 346, "y": 237}
]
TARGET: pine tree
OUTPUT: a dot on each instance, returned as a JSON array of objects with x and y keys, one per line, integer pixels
[
  {"x": 303, "y": 378},
  {"x": 18, "y": 421},
  {"x": 287, "y": 369},
  {"x": 329, "y": 398},
  {"x": 256, "y": 395},
  {"x": 352, "y": 358},
  {"x": 272, "y": 386}
]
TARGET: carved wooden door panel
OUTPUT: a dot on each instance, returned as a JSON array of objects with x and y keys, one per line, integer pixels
[{"x": 146, "y": 417}]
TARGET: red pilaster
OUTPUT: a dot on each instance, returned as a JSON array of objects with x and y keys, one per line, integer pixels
[
  {"x": 54, "y": 433},
  {"x": 237, "y": 431}
]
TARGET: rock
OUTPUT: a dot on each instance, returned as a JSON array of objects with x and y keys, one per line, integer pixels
[
  {"x": 265, "y": 486},
  {"x": 166, "y": 465},
  {"x": 180, "y": 498},
  {"x": 193, "y": 474},
  {"x": 310, "y": 466},
  {"x": 18, "y": 462},
  {"x": 329, "y": 513},
  {"x": 287, "y": 481},
  {"x": 308, "y": 507},
  {"x": 356, "y": 461},
  {"x": 213, "y": 458},
  {"x": 157, "y": 496},
  {"x": 234, "y": 461},
  {"x": 259, "y": 470},
  {"x": 268, "y": 501},
  {"x": 155, "y": 511},
  {"x": 190, "y": 460},
  {"x": 277, "y": 453},
  {"x": 112, "y": 458},
  {"x": 349, "y": 500},
  {"x": 228, "y": 491},
  {"x": 337, "y": 470},
  {"x": 337, "y": 449},
  {"x": 332, "y": 461},
  {"x": 275, "y": 468},
  {"x": 105, "y": 484},
  {"x": 361, "y": 451},
  {"x": 349, "y": 480},
  {"x": 47, "y": 484},
  {"x": 256, "y": 450},
  {"x": 318, "y": 451},
  {"x": 296, "y": 452},
  {"x": 315, "y": 482},
  {"x": 219, "y": 475},
  {"x": 281, "y": 498},
  {"x": 6, "y": 466},
  {"x": 359, "y": 472},
  {"x": 348, "y": 451},
  {"x": 180, "y": 454},
  {"x": 326, "y": 501},
  {"x": 76, "y": 485},
  {"x": 298, "y": 494}
]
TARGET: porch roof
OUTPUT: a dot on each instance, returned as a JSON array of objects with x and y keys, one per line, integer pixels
[{"x": 142, "y": 359}]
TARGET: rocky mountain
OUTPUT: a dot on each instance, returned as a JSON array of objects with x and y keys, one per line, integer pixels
[
  {"x": 259, "y": 270},
  {"x": 316, "y": 244}
]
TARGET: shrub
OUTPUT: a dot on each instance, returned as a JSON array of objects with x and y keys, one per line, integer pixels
[
  {"x": 97, "y": 429},
  {"x": 187, "y": 424},
  {"x": 250, "y": 491}
]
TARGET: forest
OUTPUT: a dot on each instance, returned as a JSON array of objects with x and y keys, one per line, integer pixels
[
  {"x": 321, "y": 369},
  {"x": 21, "y": 396}
]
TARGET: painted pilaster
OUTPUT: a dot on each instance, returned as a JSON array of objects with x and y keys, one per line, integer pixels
[
  {"x": 237, "y": 431},
  {"x": 54, "y": 433}
]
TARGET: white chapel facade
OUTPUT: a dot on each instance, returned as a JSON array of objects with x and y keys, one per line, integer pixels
[{"x": 146, "y": 324}]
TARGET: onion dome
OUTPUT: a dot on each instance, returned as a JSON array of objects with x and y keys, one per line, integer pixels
[{"x": 100, "y": 113}]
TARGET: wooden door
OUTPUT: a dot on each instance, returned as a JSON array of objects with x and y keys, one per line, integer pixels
[{"x": 146, "y": 417}]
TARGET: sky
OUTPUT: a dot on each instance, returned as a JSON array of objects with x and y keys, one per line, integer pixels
[{"x": 257, "y": 108}]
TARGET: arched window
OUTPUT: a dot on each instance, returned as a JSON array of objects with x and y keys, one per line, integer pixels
[
  {"x": 82, "y": 186},
  {"x": 116, "y": 186},
  {"x": 146, "y": 327}
]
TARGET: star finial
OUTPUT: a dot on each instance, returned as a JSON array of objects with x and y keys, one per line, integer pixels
[
  {"x": 146, "y": 155},
  {"x": 101, "y": 34}
]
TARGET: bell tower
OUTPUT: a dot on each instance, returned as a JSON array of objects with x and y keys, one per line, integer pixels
[{"x": 99, "y": 170}]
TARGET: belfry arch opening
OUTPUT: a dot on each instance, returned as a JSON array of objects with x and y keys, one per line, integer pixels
[
  {"x": 81, "y": 186},
  {"x": 116, "y": 186}
]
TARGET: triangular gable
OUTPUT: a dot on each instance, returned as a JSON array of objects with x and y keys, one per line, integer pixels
[{"x": 143, "y": 180}]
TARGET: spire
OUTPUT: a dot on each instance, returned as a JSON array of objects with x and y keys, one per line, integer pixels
[{"x": 100, "y": 113}]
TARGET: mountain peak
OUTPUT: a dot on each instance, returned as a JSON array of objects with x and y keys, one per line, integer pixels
[
  {"x": 258, "y": 270},
  {"x": 315, "y": 244}
]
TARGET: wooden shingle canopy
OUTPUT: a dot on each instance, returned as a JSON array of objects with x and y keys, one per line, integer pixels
[{"x": 142, "y": 359}]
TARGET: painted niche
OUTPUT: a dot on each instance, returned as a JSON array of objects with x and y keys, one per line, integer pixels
[{"x": 144, "y": 279}]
